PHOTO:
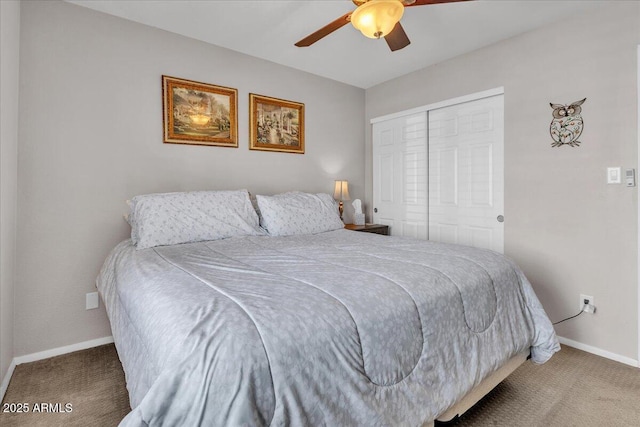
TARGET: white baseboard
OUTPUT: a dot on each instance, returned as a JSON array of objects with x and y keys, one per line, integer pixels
[
  {"x": 33, "y": 357},
  {"x": 599, "y": 352},
  {"x": 7, "y": 378},
  {"x": 27, "y": 358}
]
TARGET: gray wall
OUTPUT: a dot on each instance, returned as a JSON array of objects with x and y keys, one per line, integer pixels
[
  {"x": 91, "y": 137},
  {"x": 570, "y": 231},
  {"x": 9, "y": 60}
]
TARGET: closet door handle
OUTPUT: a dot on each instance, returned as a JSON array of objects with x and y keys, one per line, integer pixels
[
  {"x": 375, "y": 210},
  {"x": 500, "y": 218}
]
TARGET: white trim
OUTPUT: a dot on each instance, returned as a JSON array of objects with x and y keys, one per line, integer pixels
[
  {"x": 6, "y": 379},
  {"x": 637, "y": 169},
  {"x": 441, "y": 104},
  {"x": 599, "y": 352},
  {"x": 28, "y": 358},
  {"x": 33, "y": 357}
]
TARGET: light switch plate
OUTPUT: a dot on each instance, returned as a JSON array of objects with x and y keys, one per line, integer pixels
[
  {"x": 630, "y": 177},
  {"x": 614, "y": 175}
]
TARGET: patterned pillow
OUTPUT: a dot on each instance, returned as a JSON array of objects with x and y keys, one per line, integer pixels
[
  {"x": 298, "y": 213},
  {"x": 173, "y": 218}
]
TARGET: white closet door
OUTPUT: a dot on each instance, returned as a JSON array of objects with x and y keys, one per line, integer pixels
[
  {"x": 466, "y": 173},
  {"x": 400, "y": 175}
]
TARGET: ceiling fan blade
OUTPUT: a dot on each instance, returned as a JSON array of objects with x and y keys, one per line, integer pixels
[
  {"x": 325, "y": 31},
  {"x": 397, "y": 38},
  {"x": 426, "y": 2}
]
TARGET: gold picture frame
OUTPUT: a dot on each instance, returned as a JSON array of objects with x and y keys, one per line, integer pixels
[
  {"x": 199, "y": 113},
  {"x": 275, "y": 124}
]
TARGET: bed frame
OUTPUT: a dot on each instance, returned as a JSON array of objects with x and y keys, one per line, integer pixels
[{"x": 481, "y": 390}]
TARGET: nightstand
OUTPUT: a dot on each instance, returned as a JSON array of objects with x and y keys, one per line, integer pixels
[{"x": 369, "y": 228}]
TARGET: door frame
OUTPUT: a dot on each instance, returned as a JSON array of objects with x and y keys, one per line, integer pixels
[
  {"x": 441, "y": 104},
  {"x": 637, "y": 167},
  {"x": 446, "y": 103}
]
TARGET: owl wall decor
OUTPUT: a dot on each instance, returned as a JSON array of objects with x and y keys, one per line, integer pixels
[{"x": 566, "y": 126}]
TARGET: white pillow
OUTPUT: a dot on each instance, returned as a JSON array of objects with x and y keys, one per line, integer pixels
[
  {"x": 173, "y": 218},
  {"x": 298, "y": 213}
]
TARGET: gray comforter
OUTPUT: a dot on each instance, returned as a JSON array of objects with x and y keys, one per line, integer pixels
[{"x": 336, "y": 329}]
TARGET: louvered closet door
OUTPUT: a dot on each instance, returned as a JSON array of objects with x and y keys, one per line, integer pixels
[
  {"x": 466, "y": 173},
  {"x": 400, "y": 175}
]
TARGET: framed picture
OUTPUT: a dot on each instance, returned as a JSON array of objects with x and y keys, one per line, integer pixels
[
  {"x": 276, "y": 124},
  {"x": 199, "y": 113}
]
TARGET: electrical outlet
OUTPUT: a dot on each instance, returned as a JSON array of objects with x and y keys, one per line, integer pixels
[
  {"x": 587, "y": 304},
  {"x": 92, "y": 301}
]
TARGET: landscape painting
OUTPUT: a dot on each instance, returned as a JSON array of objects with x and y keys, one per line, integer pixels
[
  {"x": 199, "y": 113},
  {"x": 276, "y": 124}
]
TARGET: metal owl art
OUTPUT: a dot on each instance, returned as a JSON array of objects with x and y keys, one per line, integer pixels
[{"x": 566, "y": 126}]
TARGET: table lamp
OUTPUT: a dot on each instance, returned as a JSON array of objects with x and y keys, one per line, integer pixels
[{"x": 340, "y": 193}]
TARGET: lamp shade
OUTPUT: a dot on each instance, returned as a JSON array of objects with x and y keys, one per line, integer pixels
[
  {"x": 376, "y": 18},
  {"x": 341, "y": 191}
]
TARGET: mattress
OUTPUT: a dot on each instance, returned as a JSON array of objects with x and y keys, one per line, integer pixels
[{"x": 336, "y": 328}]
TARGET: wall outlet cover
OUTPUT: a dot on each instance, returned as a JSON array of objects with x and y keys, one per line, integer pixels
[
  {"x": 92, "y": 300},
  {"x": 584, "y": 297}
]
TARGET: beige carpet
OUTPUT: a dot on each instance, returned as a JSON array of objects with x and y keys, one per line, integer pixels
[
  {"x": 573, "y": 389},
  {"x": 91, "y": 380}
]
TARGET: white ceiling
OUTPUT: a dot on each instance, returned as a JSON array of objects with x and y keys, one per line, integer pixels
[{"x": 268, "y": 29}]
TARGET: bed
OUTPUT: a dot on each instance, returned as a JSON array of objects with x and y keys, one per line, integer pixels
[{"x": 326, "y": 328}]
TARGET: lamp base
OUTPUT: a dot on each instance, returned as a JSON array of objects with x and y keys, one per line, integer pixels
[{"x": 340, "y": 208}]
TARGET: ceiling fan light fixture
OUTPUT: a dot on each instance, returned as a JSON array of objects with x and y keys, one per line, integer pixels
[{"x": 377, "y": 18}]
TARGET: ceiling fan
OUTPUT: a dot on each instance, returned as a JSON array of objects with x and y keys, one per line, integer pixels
[{"x": 375, "y": 19}]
